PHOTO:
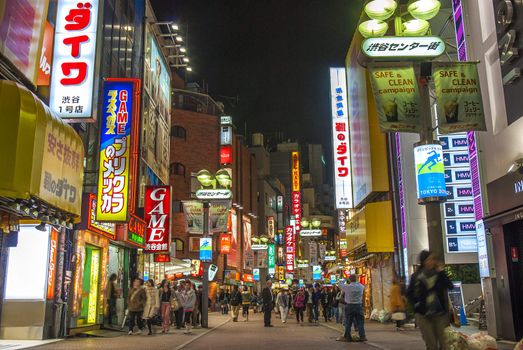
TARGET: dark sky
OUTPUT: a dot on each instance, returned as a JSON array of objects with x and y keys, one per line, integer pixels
[{"x": 273, "y": 54}]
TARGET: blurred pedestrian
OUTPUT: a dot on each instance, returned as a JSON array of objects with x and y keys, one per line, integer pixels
[
  {"x": 246, "y": 302},
  {"x": 299, "y": 305},
  {"x": 282, "y": 302},
  {"x": 166, "y": 303},
  {"x": 178, "y": 314},
  {"x": 316, "y": 299},
  {"x": 428, "y": 293},
  {"x": 397, "y": 302},
  {"x": 268, "y": 304},
  {"x": 188, "y": 299},
  {"x": 340, "y": 297},
  {"x": 353, "y": 309},
  {"x": 310, "y": 304},
  {"x": 334, "y": 303},
  {"x": 254, "y": 302},
  {"x": 112, "y": 294},
  {"x": 152, "y": 304},
  {"x": 236, "y": 300},
  {"x": 225, "y": 298},
  {"x": 135, "y": 304}
]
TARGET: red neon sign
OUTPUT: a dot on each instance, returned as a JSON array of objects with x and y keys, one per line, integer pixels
[
  {"x": 225, "y": 154},
  {"x": 157, "y": 217},
  {"x": 289, "y": 249},
  {"x": 225, "y": 243}
]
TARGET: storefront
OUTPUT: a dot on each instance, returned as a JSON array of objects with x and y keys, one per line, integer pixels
[
  {"x": 370, "y": 243},
  {"x": 41, "y": 195},
  {"x": 505, "y": 231}
]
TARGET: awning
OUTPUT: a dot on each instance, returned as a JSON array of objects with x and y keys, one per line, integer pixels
[
  {"x": 41, "y": 156},
  {"x": 177, "y": 266}
]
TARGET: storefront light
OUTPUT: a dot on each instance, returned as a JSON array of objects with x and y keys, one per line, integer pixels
[
  {"x": 415, "y": 27},
  {"x": 373, "y": 28},
  {"x": 380, "y": 9},
  {"x": 424, "y": 9}
]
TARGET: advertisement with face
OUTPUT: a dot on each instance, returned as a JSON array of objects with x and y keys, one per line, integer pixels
[
  {"x": 247, "y": 251},
  {"x": 156, "y": 109}
]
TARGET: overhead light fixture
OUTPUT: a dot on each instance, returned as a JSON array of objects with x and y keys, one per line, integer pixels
[
  {"x": 373, "y": 28},
  {"x": 518, "y": 164},
  {"x": 183, "y": 49},
  {"x": 381, "y": 9},
  {"x": 41, "y": 227},
  {"x": 189, "y": 69},
  {"x": 43, "y": 217},
  {"x": 174, "y": 26},
  {"x": 424, "y": 9},
  {"x": 179, "y": 38},
  {"x": 415, "y": 27},
  {"x": 186, "y": 59}
]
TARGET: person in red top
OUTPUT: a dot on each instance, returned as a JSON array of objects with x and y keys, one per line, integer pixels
[{"x": 299, "y": 305}]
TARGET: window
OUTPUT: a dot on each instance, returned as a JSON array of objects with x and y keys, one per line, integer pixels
[
  {"x": 177, "y": 169},
  {"x": 178, "y": 132},
  {"x": 179, "y": 244}
]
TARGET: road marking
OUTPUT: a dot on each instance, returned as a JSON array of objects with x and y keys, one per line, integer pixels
[
  {"x": 366, "y": 343},
  {"x": 179, "y": 347}
]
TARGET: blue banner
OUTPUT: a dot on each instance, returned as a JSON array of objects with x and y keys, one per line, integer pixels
[{"x": 430, "y": 172}]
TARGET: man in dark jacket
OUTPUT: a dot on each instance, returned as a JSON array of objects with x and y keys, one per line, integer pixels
[
  {"x": 316, "y": 298},
  {"x": 268, "y": 304}
]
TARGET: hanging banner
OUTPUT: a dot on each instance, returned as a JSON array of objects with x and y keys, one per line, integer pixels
[
  {"x": 430, "y": 173},
  {"x": 206, "y": 249},
  {"x": 397, "y": 98},
  {"x": 219, "y": 214},
  {"x": 157, "y": 212},
  {"x": 118, "y": 107},
  {"x": 271, "y": 258},
  {"x": 256, "y": 274},
  {"x": 316, "y": 272},
  {"x": 225, "y": 243},
  {"x": 270, "y": 227},
  {"x": 458, "y": 97}
]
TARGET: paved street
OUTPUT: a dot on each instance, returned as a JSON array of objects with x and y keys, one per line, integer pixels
[{"x": 227, "y": 335}]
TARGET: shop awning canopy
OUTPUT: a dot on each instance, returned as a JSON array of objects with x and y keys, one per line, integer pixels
[{"x": 42, "y": 157}]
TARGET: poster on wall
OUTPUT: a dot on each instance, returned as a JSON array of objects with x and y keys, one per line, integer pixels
[
  {"x": 74, "y": 60},
  {"x": 397, "y": 98},
  {"x": 156, "y": 109},
  {"x": 219, "y": 215},
  {"x": 46, "y": 56},
  {"x": 458, "y": 97},
  {"x": 157, "y": 215},
  {"x": 21, "y": 27},
  {"x": 232, "y": 260}
]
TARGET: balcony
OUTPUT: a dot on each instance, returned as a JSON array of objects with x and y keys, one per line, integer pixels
[{"x": 196, "y": 102}]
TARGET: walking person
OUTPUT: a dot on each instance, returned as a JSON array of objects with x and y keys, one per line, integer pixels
[
  {"x": 428, "y": 293},
  {"x": 178, "y": 314},
  {"x": 397, "y": 303},
  {"x": 310, "y": 307},
  {"x": 111, "y": 296},
  {"x": 246, "y": 302},
  {"x": 282, "y": 302},
  {"x": 340, "y": 296},
  {"x": 166, "y": 304},
  {"x": 334, "y": 303},
  {"x": 152, "y": 304},
  {"x": 236, "y": 300},
  {"x": 188, "y": 299},
  {"x": 268, "y": 304},
  {"x": 224, "y": 302},
  {"x": 136, "y": 303},
  {"x": 353, "y": 308},
  {"x": 316, "y": 299},
  {"x": 197, "y": 306},
  {"x": 299, "y": 305}
]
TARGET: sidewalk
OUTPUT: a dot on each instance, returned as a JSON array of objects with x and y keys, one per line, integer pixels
[{"x": 386, "y": 337}]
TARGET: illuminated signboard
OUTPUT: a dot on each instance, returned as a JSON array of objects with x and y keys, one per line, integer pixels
[
  {"x": 247, "y": 277},
  {"x": 329, "y": 258},
  {"x": 430, "y": 173},
  {"x": 225, "y": 155},
  {"x": 295, "y": 171},
  {"x": 343, "y": 247},
  {"x": 104, "y": 228},
  {"x": 256, "y": 274},
  {"x": 271, "y": 258},
  {"x": 462, "y": 244},
  {"x": 119, "y": 106},
  {"x": 136, "y": 231},
  {"x": 311, "y": 233},
  {"x": 225, "y": 135},
  {"x": 483, "y": 259},
  {"x": 162, "y": 258},
  {"x": 225, "y": 243},
  {"x": 157, "y": 212},
  {"x": 214, "y": 194},
  {"x": 296, "y": 209},
  {"x": 403, "y": 47},
  {"x": 259, "y": 247},
  {"x": 281, "y": 273},
  {"x": 270, "y": 227},
  {"x": 290, "y": 244},
  {"x": 206, "y": 249},
  {"x": 340, "y": 141},
  {"x": 316, "y": 272},
  {"x": 52, "y": 263},
  {"x": 226, "y": 120},
  {"x": 73, "y": 70}
]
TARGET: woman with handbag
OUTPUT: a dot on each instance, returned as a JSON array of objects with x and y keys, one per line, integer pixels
[
  {"x": 397, "y": 304},
  {"x": 166, "y": 303}
]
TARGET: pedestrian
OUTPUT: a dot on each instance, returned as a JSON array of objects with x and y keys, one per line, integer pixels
[
  {"x": 178, "y": 314},
  {"x": 299, "y": 305},
  {"x": 428, "y": 293},
  {"x": 246, "y": 302},
  {"x": 112, "y": 294},
  {"x": 316, "y": 299},
  {"x": 340, "y": 296},
  {"x": 282, "y": 302},
  {"x": 397, "y": 303},
  {"x": 225, "y": 299},
  {"x": 188, "y": 299},
  {"x": 353, "y": 308},
  {"x": 166, "y": 303},
  {"x": 135, "y": 304},
  {"x": 310, "y": 305},
  {"x": 254, "y": 302},
  {"x": 197, "y": 307},
  {"x": 236, "y": 300},
  {"x": 152, "y": 304},
  {"x": 199, "y": 295},
  {"x": 268, "y": 304}
]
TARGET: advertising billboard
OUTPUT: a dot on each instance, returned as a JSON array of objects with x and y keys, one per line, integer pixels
[
  {"x": 225, "y": 243},
  {"x": 156, "y": 120},
  {"x": 248, "y": 261},
  {"x": 271, "y": 258},
  {"x": 119, "y": 104},
  {"x": 74, "y": 59},
  {"x": 290, "y": 249},
  {"x": 295, "y": 171},
  {"x": 46, "y": 56},
  {"x": 340, "y": 139},
  {"x": 430, "y": 173},
  {"x": 157, "y": 214}
]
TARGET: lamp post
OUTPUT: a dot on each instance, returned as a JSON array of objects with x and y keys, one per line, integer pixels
[{"x": 205, "y": 283}]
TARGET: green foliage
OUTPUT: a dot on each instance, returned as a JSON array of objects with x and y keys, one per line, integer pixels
[{"x": 466, "y": 273}]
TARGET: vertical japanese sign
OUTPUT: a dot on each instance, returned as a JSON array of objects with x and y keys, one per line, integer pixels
[
  {"x": 206, "y": 249},
  {"x": 296, "y": 194},
  {"x": 295, "y": 171},
  {"x": 458, "y": 97},
  {"x": 46, "y": 56},
  {"x": 271, "y": 227},
  {"x": 225, "y": 243},
  {"x": 430, "y": 173},
  {"x": 157, "y": 213},
  {"x": 271, "y": 258},
  {"x": 115, "y": 150},
  {"x": 296, "y": 210},
  {"x": 343, "y": 247},
  {"x": 397, "y": 98},
  {"x": 340, "y": 139},
  {"x": 51, "y": 270},
  {"x": 290, "y": 249},
  {"x": 72, "y": 78}
]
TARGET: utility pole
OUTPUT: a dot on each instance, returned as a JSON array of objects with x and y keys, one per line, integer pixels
[{"x": 205, "y": 282}]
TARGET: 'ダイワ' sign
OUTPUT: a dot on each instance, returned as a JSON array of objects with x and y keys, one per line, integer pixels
[
  {"x": 403, "y": 47},
  {"x": 430, "y": 173}
]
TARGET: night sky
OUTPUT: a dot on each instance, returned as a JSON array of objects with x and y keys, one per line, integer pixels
[{"x": 273, "y": 55}]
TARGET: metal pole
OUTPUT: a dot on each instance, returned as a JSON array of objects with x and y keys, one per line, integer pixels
[
  {"x": 433, "y": 212},
  {"x": 205, "y": 283}
]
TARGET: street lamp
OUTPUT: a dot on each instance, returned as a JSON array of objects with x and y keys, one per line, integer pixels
[
  {"x": 415, "y": 27},
  {"x": 179, "y": 38},
  {"x": 316, "y": 222},
  {"x": 373, "y": 28},
  {"x": 186, "y": 59},
  {"x": 189, "y": 69},
  {"x": 424, "y": 9},
  {"x": 381, "y": 9},
  {"x": 205, "y": 178},
  {"x": 224, "y": 178}
]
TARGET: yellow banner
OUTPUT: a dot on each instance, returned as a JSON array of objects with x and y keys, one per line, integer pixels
[{"x": 295, "y": 171}]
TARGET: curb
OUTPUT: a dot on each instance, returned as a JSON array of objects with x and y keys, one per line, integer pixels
[
  {"x": 376, "y": 346},
  {"x": 179, "y": 347}
]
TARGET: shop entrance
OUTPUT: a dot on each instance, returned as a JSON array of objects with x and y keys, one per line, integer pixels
[
  {"x": 514, "y": 246},
  {"x": 90, "y": 289}
]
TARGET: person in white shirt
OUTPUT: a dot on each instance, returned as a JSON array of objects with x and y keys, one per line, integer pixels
[{"x": 353, "y": 308}]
